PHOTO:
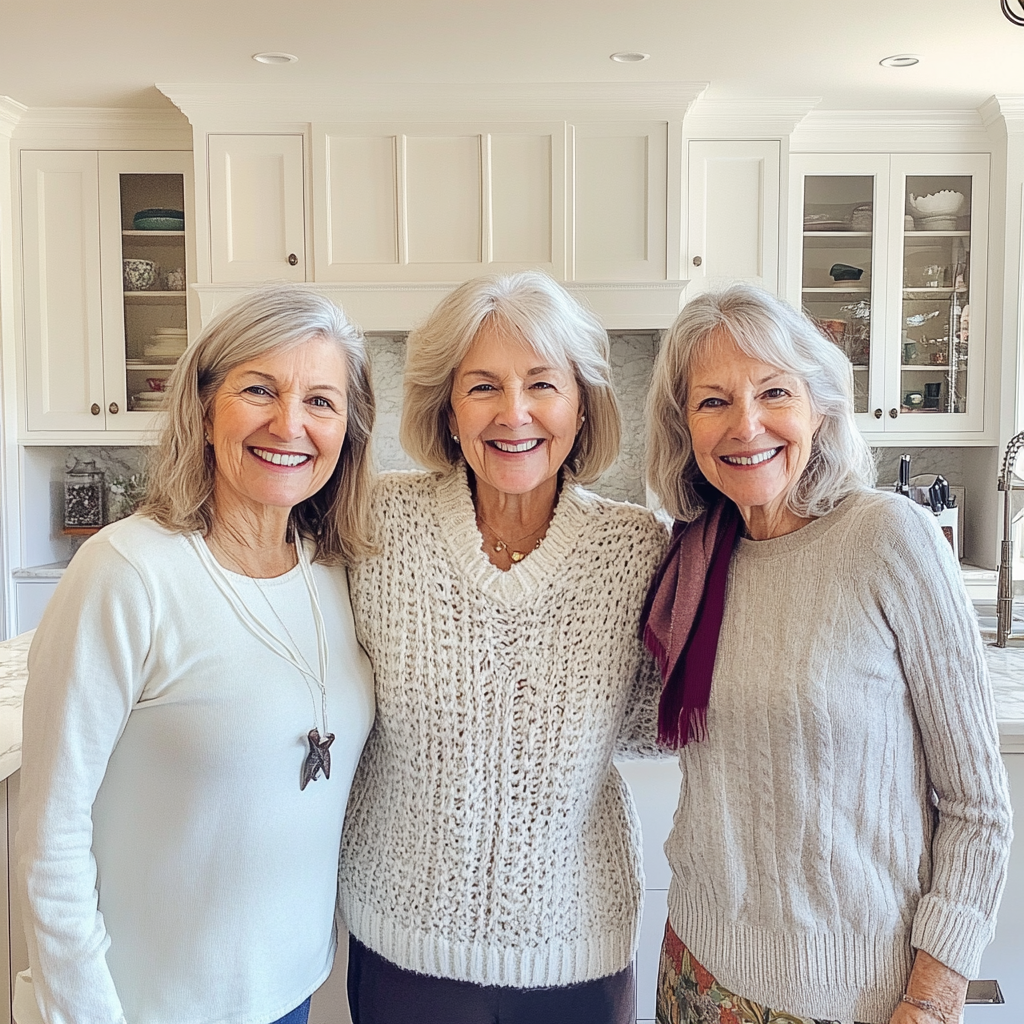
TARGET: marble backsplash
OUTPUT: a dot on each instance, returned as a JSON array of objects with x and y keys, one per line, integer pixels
[{"x": 632, "y": 358}]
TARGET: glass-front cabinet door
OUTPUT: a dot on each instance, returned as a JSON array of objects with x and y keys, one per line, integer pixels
[
  {"x": 145, "y": 199},
  {"x": 942, "y": 233},
  {"x": 891, "y": 249},
  {"x": 843, "y": 241}
]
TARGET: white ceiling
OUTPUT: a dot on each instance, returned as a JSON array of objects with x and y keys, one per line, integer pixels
[{"x": 108, "y": 53}]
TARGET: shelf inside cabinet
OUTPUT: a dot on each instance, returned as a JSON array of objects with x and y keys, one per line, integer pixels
[
  {"x": 940, "y": 367},
  {"x": 924, "y": 235},
  {"x": 835, "y": 290},
  {"x": 142, "y": 364},
  {"x": 154, "y": 296},
  {"x": 831, "y": 237},
  {"x": 162, "y": 236},
  {"x": 923, "y": 292}
]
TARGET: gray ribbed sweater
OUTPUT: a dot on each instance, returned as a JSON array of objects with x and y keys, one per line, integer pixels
[
  {"x": 489, "y": 837},
  {"x": 850, "y": 802}
]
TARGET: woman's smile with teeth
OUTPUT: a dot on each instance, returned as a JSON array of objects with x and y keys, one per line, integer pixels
[
  {"x": 516, "y": 447},
  {"x": 280, "y": 458},
  {"x": 751, "y": 460}
]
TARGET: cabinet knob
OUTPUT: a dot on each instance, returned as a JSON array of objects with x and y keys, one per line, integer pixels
[
  {"x": 697, "y": 260},
  {"x": 94, "y": 409},
  {"x": 292, "y": 259},
  {"x": 893, "y": 413},
  {"x": 878, "y": 414},
  {"x": 113, "y": 408}
]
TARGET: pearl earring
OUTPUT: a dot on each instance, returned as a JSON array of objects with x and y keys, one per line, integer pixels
[{"x": 455, "y": 438}]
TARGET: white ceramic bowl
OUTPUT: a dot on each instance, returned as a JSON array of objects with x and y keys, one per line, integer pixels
[{"x": 938, "y": 204}]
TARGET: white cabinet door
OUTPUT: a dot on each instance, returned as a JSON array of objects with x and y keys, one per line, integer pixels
[
  {"x": 63, "y": 319},
  {"x": 619, "y": 201},
  {"x": 420, "y": 202},
  {"x": 30, "y": 601},
  {"x": 937, "y": 269},
  {"x": 257, "y": 208},
  {"x": 131, "y": 182},
  {"x": 732, "y": 214},
  {"x": 1004, "y": 958}
]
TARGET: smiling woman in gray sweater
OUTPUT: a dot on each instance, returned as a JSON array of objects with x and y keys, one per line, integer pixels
[{"x": 843, "y": 824}]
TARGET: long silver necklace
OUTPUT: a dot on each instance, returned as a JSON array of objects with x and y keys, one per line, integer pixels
[{"x": 319, "y": 757}]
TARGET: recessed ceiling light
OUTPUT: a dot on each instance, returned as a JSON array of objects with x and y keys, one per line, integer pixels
[
  {"x": 275, "y": 57},
  {"x": 900, "y": 60},
  {"x": 630, "y": 57}
]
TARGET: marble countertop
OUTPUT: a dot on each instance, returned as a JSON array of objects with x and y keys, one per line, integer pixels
[
  {"x": 13, "y": 675},
  {"x": 1006, "y": 667}
]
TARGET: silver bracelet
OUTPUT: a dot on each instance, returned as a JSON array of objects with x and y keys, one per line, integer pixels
[{"x": 928, "y": 1006}]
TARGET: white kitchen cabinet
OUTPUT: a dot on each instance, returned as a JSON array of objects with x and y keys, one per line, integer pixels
[
  {"x": 619, "y": 201},
  {"x": 733, "y": 213},
  {"x": 62, "y": 313},
  {"x": 904, "y": 297},
  {"x": 257, "y": 208},
  {"x": 1004, "y": 958},
  {"x": 85, "y": 331},
  {"x": 420, "y": 202},
  {"x": 30, "y": 601}
]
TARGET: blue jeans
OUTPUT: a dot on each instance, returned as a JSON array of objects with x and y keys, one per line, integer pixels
[{"x": 298, "y": 1016}]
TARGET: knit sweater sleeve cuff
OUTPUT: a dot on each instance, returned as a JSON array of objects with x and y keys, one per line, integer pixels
[{"x": 955, "y": 936}]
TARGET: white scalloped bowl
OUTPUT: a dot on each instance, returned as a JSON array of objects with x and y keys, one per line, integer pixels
[{"x": 938, "y": 204}]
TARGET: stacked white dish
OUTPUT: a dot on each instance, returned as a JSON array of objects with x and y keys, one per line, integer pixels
[
  {"x": 168, "y": 343},
  {"x": 148, "y": 401}
]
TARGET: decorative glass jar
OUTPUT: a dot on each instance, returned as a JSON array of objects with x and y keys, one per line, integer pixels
[{"x": 83, "y": 496}]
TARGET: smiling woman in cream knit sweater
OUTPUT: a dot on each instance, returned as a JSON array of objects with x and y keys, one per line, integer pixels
[{"x": 491, "y": 864}]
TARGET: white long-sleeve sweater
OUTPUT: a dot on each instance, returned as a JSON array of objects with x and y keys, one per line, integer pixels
[
  {"x": 489, "y": 837},
  {"x": 850, "y": 802},
  {"x": 174, "y": 872}
]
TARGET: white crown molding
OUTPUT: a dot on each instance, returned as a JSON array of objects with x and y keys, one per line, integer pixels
[
  {"x": 105, "y": 126},
  {"x": 759, "y": 117},
  {"x": 248, "y": 105},
  {"x": 11, "y": 112},
  {"x": 645, "y": 305},
  {"x": 1005, "y": 110},
  {"x": 891, "y": 130},
  {"x": 893, "y": 120}
]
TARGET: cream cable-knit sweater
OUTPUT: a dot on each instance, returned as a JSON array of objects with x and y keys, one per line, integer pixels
[
  {"x": 489, "y": 837},
  {"x": 850, "y": 692}
]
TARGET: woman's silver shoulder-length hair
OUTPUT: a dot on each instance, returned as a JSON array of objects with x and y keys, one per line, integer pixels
[
  {"x": 770, "y": 330},
  {"x": 182, "y": 467}
]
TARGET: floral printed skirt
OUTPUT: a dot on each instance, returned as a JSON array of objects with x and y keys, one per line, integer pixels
[{"x": 688, "y": 994}]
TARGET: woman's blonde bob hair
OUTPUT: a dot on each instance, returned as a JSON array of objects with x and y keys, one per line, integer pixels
[
  {"x": 769, "y": 330},
  {"x": 183, "y": 466},
  {"x": 528, "y": 305}
]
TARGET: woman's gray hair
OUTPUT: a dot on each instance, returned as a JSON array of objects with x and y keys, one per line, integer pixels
[
  {"x": 179, "y": 493},
  {"x": 529, "y": 305},
  {"x": 770, "y": 330}
]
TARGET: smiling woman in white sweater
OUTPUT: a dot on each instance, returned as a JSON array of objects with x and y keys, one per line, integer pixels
[
  {"x": 491, "y": 863},
  {"x": 180, "y": 818}
]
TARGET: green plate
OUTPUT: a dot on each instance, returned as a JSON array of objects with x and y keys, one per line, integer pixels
[{"x": 158, "y": 224}]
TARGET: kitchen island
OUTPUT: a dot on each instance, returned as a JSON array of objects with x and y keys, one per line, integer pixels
[{"x": 655, "y": 786}]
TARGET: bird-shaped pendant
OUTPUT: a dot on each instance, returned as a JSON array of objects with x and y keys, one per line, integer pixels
[{"x": 319, "y": 757}]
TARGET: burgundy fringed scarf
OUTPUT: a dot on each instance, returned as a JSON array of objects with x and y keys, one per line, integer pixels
[{"x": 682, "y": 618}]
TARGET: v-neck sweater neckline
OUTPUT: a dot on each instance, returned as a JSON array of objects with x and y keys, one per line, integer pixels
[{"x": 455, "y": 514}]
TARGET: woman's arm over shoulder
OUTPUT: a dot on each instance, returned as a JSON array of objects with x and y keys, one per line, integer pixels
[
  {"x": 644, "y": 537},
  {"x": 85, "y": 672},
  {"x": 922, "y": 595}
]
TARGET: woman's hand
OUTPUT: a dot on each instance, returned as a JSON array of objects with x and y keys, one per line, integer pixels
[{"x": 935, "y": 985}]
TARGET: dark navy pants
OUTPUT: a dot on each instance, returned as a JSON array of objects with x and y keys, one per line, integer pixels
[{"x": 379, "y": 992}]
